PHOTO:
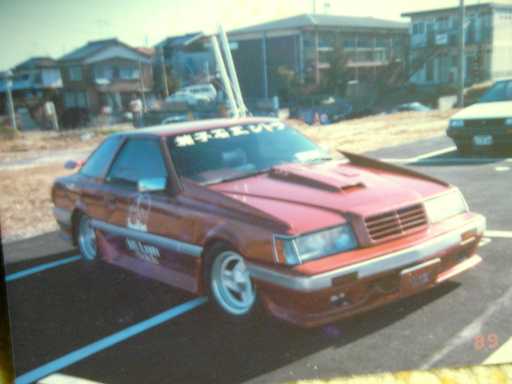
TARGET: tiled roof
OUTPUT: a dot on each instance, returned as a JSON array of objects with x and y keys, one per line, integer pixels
[
  {"x": 37, "y": 62},
  {"x": 84, "y": 51}
]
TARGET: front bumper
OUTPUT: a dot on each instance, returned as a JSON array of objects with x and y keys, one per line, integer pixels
[
  {"x": 501, "y": 137},
  {"x": 321, "y": 298}
]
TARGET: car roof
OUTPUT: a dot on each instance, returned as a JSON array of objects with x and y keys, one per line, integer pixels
[{"x": 174, "y": 129}]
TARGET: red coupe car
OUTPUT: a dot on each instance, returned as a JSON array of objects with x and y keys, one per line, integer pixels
[{"x": 255, "y": 215}]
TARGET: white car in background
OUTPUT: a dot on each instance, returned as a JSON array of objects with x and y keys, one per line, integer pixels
[
  {"x": 486, "y": 124},
  {"x": 181, "y": 97},
  {"x": 202, "y": 92},
  {"x": 193, "y": 95}
]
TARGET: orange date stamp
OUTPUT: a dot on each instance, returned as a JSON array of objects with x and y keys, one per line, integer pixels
[{"x": 488, "y": 341}]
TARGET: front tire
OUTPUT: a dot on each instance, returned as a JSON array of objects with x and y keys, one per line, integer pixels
[
  {"x": 463, "y": 148},
  {"x": 86, "y": 239},
  {"x": 229, "y": 284}
]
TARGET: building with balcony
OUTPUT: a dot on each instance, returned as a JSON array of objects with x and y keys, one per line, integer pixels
[
  {"x": 434, "y": 36},
  {"x": 303, "y": 44},
  {"x": 105, "y": 74},
  {"x": 34, "y": 81}
]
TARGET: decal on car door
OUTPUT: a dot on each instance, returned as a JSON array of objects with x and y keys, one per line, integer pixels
[{"x": 137, "y": 219}]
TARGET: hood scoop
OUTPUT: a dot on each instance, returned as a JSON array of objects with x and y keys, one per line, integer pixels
[{"x": 317, "y": 178}]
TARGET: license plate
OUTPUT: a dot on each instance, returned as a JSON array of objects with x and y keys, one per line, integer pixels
[
  {"x": 482, "y": 140},
  {"x": 419, "y": 276}
]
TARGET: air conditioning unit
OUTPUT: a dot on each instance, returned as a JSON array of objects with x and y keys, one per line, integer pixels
[{"x": 442, "y": 39}]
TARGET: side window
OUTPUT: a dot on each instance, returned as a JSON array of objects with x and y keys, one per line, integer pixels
[
  {"x": 508, "y": 91},
  {"x": 138, "y": 159},
  {"x": 96, "y": 165}
]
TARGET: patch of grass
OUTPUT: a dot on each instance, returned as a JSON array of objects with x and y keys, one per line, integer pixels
[{"x": 7, "y": 132}]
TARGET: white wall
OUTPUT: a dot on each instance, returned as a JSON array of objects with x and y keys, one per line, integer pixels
[{"x": 501, "y": 62}]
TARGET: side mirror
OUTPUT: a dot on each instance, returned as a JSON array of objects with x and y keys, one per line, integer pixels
[
  {"x": 71, "y": 164},
  {"x": 157, "y": 184}
]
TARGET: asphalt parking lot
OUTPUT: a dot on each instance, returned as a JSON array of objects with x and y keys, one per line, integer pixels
[{"x": 110, "y": 326}]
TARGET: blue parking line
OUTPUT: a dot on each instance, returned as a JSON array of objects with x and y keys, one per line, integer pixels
[
  {"x": 40, "y": 268},
  {"x": 107, "y": 342}
]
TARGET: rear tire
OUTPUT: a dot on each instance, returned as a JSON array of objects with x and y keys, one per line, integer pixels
[
  {"x": 86, "y": 239},
  {"x": 231, "y": 291}
]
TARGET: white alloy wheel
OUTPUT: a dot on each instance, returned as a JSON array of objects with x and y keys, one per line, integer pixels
[{"x": 231, "y": 284}]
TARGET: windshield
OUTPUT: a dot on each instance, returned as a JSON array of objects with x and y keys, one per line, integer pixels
[
  {"x": 501, "y": 91},
  {"x": 217, "y": 155}
]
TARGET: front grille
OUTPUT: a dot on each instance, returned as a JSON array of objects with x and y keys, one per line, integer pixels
[
  {"x": 484, "y": 123},
  {"x": 396, "y": 223}
]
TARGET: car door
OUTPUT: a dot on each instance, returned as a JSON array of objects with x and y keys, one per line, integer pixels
[
  {"x": 91, "y": 178},
  {"x": 144, "y": 225}
]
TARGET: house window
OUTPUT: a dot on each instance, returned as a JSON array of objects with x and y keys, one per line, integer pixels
[
  {"x": 129, "y": 73},
  {"x": 349, "y": 43},
  {"x": 75, "y": 100},
  {"x": 69, "y": 100},
  {"x": 364, "y": 42},
  {"x": 382, "y": 42},
  {"x": 75, "y": 73},
  {"x": 103, "y": 72},
  {"x": 418, "y": 28},
  {"x": 81, "y": 100},
  {"x": 443, "y": 23}
]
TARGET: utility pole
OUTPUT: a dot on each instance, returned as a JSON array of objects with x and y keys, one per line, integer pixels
[
  {"x": 10, "y": 103},
  {"x": 141, "y": 83},
  {"x": 462, "y": 56},
  {"x": 314, "y": 7},
  {"x": 164, "y": 72}
]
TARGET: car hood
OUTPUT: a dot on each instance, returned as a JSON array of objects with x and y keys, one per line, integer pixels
[
  {"x": 493, "y": 110},
  {"x": 308, "y": 197}
]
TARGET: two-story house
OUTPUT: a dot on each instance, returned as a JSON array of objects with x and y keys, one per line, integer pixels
[
  {"x": 35, "y": 80},
  {"x": 434, "y": 36},
  {"x": 105, "y": 74}
]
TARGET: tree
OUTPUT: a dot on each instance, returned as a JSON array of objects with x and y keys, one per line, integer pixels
[
  {"x": 288, "y": 83},
  {"x": 336, "y": 77}
]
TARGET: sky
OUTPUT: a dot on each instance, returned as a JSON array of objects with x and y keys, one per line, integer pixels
[{"x": 53, "y": 27}]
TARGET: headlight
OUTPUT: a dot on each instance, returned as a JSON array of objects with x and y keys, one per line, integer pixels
[
  {"x": 508, "y": 121},
  {"x": 445, "y": 206},
  {"x": 456, "y": 123},
  {"x": 297, "y": 250}
]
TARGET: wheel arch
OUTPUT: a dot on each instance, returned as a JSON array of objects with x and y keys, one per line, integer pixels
[{"x": 210, "y": 243}]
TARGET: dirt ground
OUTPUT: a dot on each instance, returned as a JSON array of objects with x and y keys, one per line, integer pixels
[
  {"x": 32, "y": 144},
  {"x": 25, "y": 203},
  {"x": 374, "y": 132}
]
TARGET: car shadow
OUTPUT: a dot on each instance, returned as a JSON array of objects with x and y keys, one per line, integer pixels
[{"x": 203, "y": 347}]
